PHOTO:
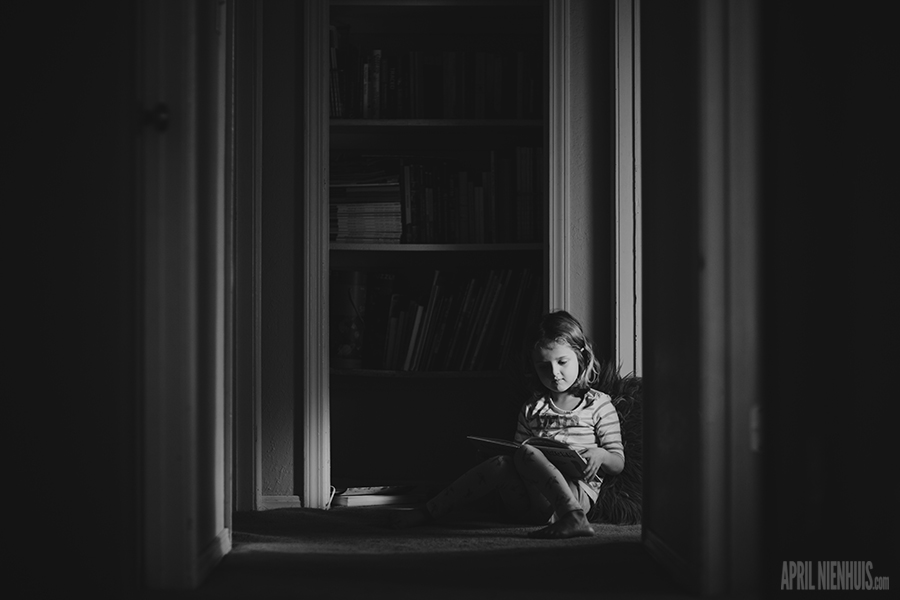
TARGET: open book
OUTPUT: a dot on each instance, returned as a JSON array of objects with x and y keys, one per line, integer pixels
[{"x": 564, "y": 457}]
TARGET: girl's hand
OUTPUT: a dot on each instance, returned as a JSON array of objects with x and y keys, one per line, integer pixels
[{"x": 594, "y": 458}]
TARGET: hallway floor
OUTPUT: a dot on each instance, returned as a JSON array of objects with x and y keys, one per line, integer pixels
[{"x": 351, "y": 553}]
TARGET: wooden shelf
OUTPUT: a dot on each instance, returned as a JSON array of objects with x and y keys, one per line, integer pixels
[
  {"x": 346, "y": 247},
  {"x": 419, "y": 3},
  {"x": 352, "y": 124},
  {"x": 418, "y": 374}
]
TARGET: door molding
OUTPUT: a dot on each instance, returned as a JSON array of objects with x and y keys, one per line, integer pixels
[
  {"x": 315, "y": 385},
  {"x": 557, "y": 261},
  {"x": 246, "y": 152},
  {"x": 626, "y": 181}
]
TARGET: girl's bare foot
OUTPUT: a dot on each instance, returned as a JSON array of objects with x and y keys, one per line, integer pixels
[
  {"x": 413, "y": 517},
  {"x": 572, "y": 524}
]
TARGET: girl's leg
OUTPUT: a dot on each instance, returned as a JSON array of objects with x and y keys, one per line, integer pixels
[
  {"x": 530, "y": 486},
  {"x": 485, "y": 477},
  {"x": 544, "y": 480}
]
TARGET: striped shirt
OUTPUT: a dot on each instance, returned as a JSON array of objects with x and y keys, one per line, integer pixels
[{"x": 594, "y": 423}]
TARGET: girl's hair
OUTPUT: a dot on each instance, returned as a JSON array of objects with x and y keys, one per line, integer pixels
[{"x": 560, "y": 327}]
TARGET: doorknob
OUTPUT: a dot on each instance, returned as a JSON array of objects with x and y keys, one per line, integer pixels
[{"x": 157, "y": 117}]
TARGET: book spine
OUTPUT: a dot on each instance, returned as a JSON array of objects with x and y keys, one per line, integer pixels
[
  {"x": 385, "y": 84},
  {"x": 447, "y": 95},
  {"x": 477, "y": 319},
  {"x": 540, "y": 183},
  {"x": 417, "y": 322},
  {"x": 506, "y": 349},
  {"x": 506, "y": 206},
  {"x": 440, "y": 334},
  {"x": 375, "y": 85},
  {"x": 402, "y": 336},
  {"x": 480, "y": 85},
  {"x": 492, "y": 233},
  {"x": 365, "y": 90},
  {"x": 452, "y": 201},
  {"x": 393, "y": 109},
  {"x": 427, "y": 321},
  {"x": 407, "y": 204},
  {"x": 415, "y": 86},
  {"x": 459, "y": 323},
  {"x": 393, "y": 331},
  {"x": 440, "y": 204},
  {"x": 479, "y": 213},
  {"x": 333, "y": 64},
  {"x": 462, "y": 191},
  {"x": 489, "y": 332},
  {"x": 520, "y": 85},
  {"x": 485, "y": 331},
  {"x": 428, "y": 196},
  {"x": 430, "y": 335},
  {"x": 402, "y": 109}
]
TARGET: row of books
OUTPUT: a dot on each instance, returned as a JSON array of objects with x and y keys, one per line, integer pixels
[
  {"x": 442, "y": 201},
  {"x": 421, "y": 84},
  {"x": 458, "y": 323},
  {"x": 352, "y": 168}
]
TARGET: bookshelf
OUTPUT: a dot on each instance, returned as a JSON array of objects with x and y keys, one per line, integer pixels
[{"x": 437, "y": 217}]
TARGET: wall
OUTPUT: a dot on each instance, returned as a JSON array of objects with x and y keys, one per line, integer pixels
[
  {"x": 671, "y": 268},
  {"x": 590, "y": 239},
  {"x": 279, "y": 246},
  {"x": 829, "y": 257},
  {"x": 74, "y": 173},
  {"x": 827, "y": 254}
]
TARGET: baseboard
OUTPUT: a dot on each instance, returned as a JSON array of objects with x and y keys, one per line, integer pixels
[
  {"x": 677, "y": 567},
  {"x": 212, "y": 554},
  {"x": 273, "y": 502}
]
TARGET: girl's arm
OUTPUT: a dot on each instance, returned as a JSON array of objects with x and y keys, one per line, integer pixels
[
  {"x": 600, "y": 459},
  {"x": 609, "y": 455}
]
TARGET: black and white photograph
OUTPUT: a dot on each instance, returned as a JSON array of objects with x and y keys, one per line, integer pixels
[{"x": 453, "y": 299}]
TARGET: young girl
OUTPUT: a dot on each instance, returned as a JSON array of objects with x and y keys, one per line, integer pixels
[{"x": 561, "y": 369}]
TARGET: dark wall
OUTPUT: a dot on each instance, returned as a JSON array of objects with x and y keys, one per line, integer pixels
[
  {"x": 671, "y": 272},
  {"x": 828, "y": 261},
  {"x": 77, "y": 184},
  {"x": 829, "y": 255}
]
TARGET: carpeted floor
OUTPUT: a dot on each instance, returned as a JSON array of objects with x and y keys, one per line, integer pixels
[{"x": 354, "y": 553}]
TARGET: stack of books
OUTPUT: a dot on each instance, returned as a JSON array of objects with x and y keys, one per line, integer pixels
[
  {"x": 366, "y": 213},
  {"x": 378, "y": 495}
]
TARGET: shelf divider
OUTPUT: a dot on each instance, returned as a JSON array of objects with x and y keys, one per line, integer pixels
[{"x": 345, "y": 247}]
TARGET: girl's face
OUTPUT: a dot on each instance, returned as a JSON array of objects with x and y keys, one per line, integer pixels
[{"x": 556, "y": 365}]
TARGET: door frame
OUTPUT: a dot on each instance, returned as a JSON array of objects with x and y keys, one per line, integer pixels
[{"x": 314, "y": 388}]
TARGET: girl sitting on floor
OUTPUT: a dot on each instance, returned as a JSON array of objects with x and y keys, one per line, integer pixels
[{"x": 564, "y": 407}]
